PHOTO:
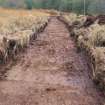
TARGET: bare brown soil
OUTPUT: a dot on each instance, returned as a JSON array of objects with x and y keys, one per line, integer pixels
[{"x": 50, "y": 72}]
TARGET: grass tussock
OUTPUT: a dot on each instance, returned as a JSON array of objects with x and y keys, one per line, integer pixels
[
  {"x": 89, "y": 34},
  {"x": 18, "y": 28}
]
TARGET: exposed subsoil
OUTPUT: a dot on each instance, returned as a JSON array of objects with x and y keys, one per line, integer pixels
[{"x": 50, "y": 72}]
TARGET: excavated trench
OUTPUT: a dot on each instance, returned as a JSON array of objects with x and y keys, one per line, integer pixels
[{"x": 50, "y": 72}]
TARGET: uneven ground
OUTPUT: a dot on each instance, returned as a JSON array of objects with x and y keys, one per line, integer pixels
[{"x": 51, "y": 72}]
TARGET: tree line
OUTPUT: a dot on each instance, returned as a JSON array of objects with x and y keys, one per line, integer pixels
[{"x": 91, "y": 6}]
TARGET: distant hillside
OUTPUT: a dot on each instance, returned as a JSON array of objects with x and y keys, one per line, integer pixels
[{"x": 13, "y": 3}]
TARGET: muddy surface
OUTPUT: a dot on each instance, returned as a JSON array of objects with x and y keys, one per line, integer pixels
[{"x": 50, "y": 72}]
